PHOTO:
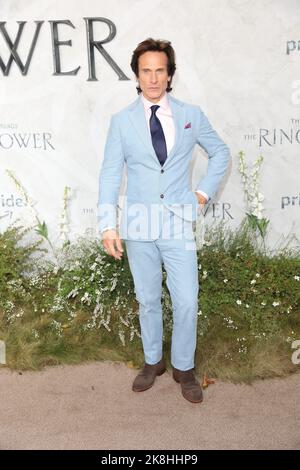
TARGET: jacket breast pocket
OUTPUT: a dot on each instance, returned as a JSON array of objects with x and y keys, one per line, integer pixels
[
  {"x": 189, "y": 139},
  {"x": 188, "y": 133}
]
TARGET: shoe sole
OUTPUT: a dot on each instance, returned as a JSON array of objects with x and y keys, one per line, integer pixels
[
  {"x": 193, "y": 401},
  {"x": 143, "y": 389}
]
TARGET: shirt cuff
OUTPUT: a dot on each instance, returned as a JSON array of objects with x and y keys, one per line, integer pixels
[
  {"x": 203, "y": 194},
  {"x": 107, "y": 228}
]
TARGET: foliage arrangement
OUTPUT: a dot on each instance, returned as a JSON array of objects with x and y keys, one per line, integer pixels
[{"x": 81, "y": 305}]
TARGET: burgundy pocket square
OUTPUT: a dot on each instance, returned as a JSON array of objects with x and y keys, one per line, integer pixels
[{"x": 188, "y": 125}]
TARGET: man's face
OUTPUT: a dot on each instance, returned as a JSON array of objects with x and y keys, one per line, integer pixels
[{"x": 153, "y": 75}]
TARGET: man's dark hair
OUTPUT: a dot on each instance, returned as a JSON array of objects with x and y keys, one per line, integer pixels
[{"x": 157, "y": 45}]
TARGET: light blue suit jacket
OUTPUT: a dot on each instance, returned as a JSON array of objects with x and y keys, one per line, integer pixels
[{"x": 150, "y": 185}]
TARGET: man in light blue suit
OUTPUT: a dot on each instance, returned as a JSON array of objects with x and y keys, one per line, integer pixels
[{"x": 154, "y": 138}]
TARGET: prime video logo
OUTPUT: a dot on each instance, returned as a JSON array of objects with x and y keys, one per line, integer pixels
[{"x": 292, "y": 46}]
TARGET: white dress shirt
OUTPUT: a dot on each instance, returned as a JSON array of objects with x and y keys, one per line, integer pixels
[{"x": 164, "y": 114}]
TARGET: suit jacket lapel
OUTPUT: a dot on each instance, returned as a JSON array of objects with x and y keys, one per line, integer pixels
[
  {"x": 178, "y": 113},
  {"x": 137, "y": 117}
]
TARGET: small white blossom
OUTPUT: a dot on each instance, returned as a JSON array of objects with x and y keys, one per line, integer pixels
[{"x": 86, "y": 298}]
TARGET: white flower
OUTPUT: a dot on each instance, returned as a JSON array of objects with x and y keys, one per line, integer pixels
[
  {"x": 257, "y": 275},
  {"x": 260, "y": 207},
  {"x": 225, "y": 280},
  {"x": 263, "y": 303},
  {"x": 257, "y": 213},
  {"x": 86, "y": 298},
  {"x": 275, "y": 304},
  {"x": 297, "y": 278},
  {"x": 253, "y": 281},
  {"x": 260, "y": 196},
  {"x": 113, "y": 284},
  {"x": 239, "y": 302},
  {"x": 63, "y": 236}
]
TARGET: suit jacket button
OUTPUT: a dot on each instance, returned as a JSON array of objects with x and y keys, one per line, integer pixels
[
  {"x": 162, "y": 196},
  {"x": 162, "y": 171}
]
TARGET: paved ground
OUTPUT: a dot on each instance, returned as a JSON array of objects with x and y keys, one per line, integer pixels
[{"x": 92, "y": 407}]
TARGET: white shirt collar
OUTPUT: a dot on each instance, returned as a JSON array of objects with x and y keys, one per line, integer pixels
[{"x": 163, "y": 102}]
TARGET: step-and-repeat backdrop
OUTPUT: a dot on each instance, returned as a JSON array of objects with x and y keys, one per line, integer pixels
[{"x": 64, "y": 69}]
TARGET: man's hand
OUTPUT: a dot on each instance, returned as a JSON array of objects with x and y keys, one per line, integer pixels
[
  {"x": 112, "y": 243},
  {"x": 201, "y": 199}
]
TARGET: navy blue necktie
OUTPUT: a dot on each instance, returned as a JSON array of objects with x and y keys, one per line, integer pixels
[{"x": 157, "y": 135}]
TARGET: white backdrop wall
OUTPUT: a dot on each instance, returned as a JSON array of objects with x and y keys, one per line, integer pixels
[{"x": 239, "y": 60}]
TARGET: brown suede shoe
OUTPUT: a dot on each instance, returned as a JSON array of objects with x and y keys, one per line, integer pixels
[
  {"x": 190, "y": 387},
  {"x": 146, "y": 377}
]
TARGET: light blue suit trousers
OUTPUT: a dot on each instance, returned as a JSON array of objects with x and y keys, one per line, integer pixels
[{"x": 175, "y": 248}]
